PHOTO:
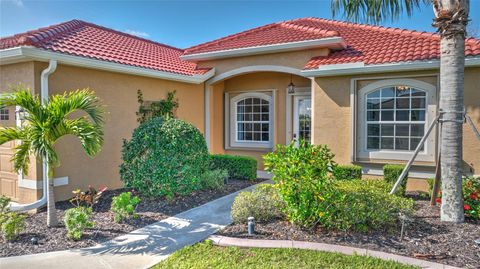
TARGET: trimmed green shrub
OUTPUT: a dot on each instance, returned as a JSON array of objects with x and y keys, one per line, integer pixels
[
  {"x": 302, "y": 176},
  {"x": 214, "y": 179},
  {"x": 164, "y": 158},
  {"x": 365, "y": 205},
  {"x": 347, "y": 172},
  {"x": 263, "y": 203},
  {"x": 391, "y": 172},
  {"x": 238, "y": 167},
  {"x": 76, "y": 220},
  {"x": 123, "y": 206}
]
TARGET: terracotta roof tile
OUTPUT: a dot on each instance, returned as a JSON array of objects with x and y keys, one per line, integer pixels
[{"x": 92, "y": 41}]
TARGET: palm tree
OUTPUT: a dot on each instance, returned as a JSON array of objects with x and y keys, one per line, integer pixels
[
  {"x": 451, "y": 18},
  {"x": 45, "y": 124}
]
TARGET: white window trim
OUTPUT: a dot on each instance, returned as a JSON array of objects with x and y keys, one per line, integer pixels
[
  {"x": 233, "y": 121},
  {"x": 427, "y": 154},
  {"x": 300, "y": 91}
]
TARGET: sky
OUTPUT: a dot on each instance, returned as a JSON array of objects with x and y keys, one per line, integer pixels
[{"x": 185, "y": 23}]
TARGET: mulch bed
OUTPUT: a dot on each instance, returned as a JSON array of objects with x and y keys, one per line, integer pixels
[
  {"x": 149, "y": 211},
  {"x": 426, "y": 237}
]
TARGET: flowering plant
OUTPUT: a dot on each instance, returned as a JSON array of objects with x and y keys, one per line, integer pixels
[{"x": 471, "y": 197}]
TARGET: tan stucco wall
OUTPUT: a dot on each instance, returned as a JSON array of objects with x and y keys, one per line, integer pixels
[
  {"x": 252, "y": 82},
  {"x": 332, "y": 113},
  {"x": 118, "y": 93}
]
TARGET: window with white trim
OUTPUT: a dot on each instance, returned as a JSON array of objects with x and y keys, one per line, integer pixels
[
  {"x": 395, "y": 118},
  {"x": 4, "y": 114},
  {"x": 251, "y": 120}
]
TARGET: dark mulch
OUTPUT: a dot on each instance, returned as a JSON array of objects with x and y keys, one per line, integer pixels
[
  {"x": 149, "y": 211},
  {"x": 425, "y": 237}
]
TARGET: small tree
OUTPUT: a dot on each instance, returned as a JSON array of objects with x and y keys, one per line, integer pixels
[
  {"x": 45, "y": 124},
  {"x": 162, "y": 108}
]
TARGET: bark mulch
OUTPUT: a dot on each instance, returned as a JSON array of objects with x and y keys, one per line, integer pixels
[
  {"x": 426, "y": 237},
  {"x": 149, "y": 211}
]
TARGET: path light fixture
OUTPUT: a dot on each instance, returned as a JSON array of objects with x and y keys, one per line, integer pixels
[
  {"x": 34, "y": 240},
  {"x": 291, "y": 86},
  {"x": 251, "y": 225}
]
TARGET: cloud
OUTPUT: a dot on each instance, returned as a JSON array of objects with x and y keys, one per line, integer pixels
[
  {"x": 137, "y": 33},
  {"x": 18, "y": 3}
]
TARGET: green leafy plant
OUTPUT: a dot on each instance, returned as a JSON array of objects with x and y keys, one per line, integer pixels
[
  {"x": 163, "y": 108},
  {"x": 11, "y": 223},
  {"x": 87, "y": 198},
  {"x": 302, "y": 176},
  {"x": 123, "y": 206},
  {"x": 214, "y": 179},
  {"x": 347, "y": 172},
  {"x": 4, "y": 203},
  {"x": 238, "y": 167},
  {"x": 391, "y": 172},
  {"x": 263, "y": 203},
  {"x": 471, "y": 196},
  {"x": 164, "y": 158},
  {"x": 76, "y": 220}
]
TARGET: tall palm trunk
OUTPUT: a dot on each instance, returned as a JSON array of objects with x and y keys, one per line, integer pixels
[
  {"x": 451, "y": 20},
  {"x": 52, "y": 220}
]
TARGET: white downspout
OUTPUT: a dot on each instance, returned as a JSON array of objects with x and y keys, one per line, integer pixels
[{"x": 44, "y": 98}]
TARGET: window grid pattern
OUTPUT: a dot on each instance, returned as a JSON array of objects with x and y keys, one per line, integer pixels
[
  {"x": 4, "y": 114},
  {"x": 304, "y": 120},
  {"x": 395, "y": 118},
  {"x": 253, "y": 120}
]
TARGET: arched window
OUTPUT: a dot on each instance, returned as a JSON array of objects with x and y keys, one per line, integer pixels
[
  {"x": 251, "y": 120},
  {"x": 395, "y": 118}
]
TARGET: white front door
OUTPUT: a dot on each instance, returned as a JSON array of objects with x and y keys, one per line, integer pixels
[{"x": 302, "y": 118}]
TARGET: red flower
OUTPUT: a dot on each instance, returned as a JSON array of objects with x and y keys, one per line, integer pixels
[
  {"x": 473, "y": 196},
  {"x": 438, "y": 200},
  {"x": 466, "y": 207}
]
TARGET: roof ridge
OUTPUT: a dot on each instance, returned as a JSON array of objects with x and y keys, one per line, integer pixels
[{"x": 307, "y": 28}]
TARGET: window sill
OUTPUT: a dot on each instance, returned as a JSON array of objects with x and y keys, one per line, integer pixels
[{"x": 249, "y": 149}]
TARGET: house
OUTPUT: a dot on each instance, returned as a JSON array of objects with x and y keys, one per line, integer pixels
[{"x": 368, "y": 92}]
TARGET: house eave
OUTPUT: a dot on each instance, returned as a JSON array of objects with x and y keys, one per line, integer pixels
[
  {"x": 361, "y": 68},
  {"x": 28, "y": 53},
  {"x": 330, "y": 42}
]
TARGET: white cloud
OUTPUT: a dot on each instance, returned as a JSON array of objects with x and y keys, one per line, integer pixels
[
  {"x": 18, "y": 3},
  {"x": 137, "y": 33}
]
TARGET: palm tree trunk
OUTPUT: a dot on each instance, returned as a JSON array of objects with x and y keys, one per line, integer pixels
[
  {"x": 52, "y": 220},
  {"x": 451, "y": 20}
]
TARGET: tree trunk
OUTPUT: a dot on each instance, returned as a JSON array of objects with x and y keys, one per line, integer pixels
[
  {"x": 52, "y": 220},
  {"x": 451, "y": 20}
]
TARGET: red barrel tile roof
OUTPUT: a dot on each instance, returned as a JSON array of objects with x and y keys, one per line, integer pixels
[{"x": 88, "y": 40}]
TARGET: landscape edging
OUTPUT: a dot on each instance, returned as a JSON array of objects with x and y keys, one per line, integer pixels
[{"x": 225, "y": 241}]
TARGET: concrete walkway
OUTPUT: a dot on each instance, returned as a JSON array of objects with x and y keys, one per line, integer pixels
[{"x": 141, "y": 248}]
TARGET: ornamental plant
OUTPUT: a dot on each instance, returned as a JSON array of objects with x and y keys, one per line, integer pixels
[
  {"x": 347, "y": 172},
  {"x": 11, "y": 223},
  {"x": 303, "y": 178},
  {"x": 263, "y": 203},
  {"x": 164, "y": 158},
  {"x": 238, "y": 167},
  {"x": 76, "y": 220},
  {"x": 391, "y": 172},
  {"x": 123, "y": 206},
  {"x": 471, "y": 197},
  {"x": 163, "y": 108}
]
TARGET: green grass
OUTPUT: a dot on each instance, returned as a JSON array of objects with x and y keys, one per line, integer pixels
[{"x": 206, "y": 255}]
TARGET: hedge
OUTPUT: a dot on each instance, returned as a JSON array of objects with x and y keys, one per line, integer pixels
[
  {"x": 238, "y": 167},
  {"x": 391, "y": 172},
  {"x": 347, "y": 172}
]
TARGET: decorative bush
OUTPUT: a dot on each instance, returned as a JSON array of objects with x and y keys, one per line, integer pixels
[
  {"x": 123, "y": 206},
  {"x": 391, "y": 172},
  {"x": 347, "y": 172},
  {"x": 164, "y": 158},
  {"x": 238, "y": 167},
  {"x": 163, "y": 108},
  {"x": 76, "y": 220},
  {"x": 365, "y": 205},
  {"x": 471, "y": 196},
  {"x": 214, "y": 179},
  {"x": 302, "y": 176},
  {"x": 263, "y": 203},
  {"x": 11, "y": 223}
]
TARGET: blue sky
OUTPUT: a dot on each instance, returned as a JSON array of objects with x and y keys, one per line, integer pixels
[{"x": 184, "y": 23}]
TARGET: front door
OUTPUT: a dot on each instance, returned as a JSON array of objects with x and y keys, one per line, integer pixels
[{"x": 302, "y": 118}]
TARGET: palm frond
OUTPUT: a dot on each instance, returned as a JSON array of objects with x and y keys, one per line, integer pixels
[
  {"x": 89, "y": 134},
  {"x": 23, "y": 97},
  {"x": 374, "y": 11},
  {"x": 8, "y": 134},
  {"x": 64, "y": 104},
  {"x": 21, "y": 156}
]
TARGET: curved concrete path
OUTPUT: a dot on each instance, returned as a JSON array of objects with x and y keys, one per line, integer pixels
[
  {"x": 141, "y": 248},
  {"x": 225, "y": 241}
]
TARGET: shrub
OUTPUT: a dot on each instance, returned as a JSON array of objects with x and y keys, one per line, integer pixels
[
  {"x": 391, "y": 172},
  {"x": 11, "y": 223},
  {"x": 365, "y": 205},
  {"x": 347, "y": 172},
  {"x": 214, "y": 179},
  {"x": 471, "y": 196},
  {"x": 164, "y": 158},
  {"x": 76, "y": 220},
  {"x": 263, "y": 203},
  {"x": 238, "y": 167},
  {"x": 302, "y": 176},
  {"x": 123, "y": 206}
]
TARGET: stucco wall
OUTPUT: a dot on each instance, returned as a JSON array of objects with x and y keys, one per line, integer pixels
[
  {"x": 118, "y": 93},
  {"x": 332, "y": 113}
]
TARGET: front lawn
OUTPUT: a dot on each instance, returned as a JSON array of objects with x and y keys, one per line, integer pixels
[{"x": 206, "y": 255}]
